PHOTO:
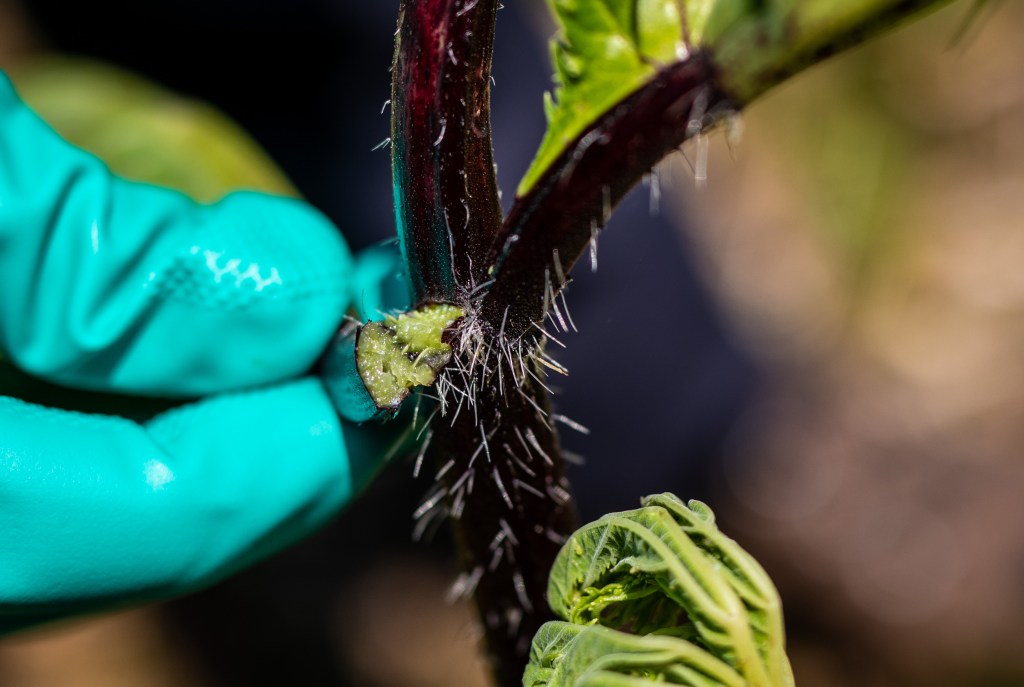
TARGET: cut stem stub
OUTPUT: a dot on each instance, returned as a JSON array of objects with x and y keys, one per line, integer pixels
[{"x": 404, "y": 351}]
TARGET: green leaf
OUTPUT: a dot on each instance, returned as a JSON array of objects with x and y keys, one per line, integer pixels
[
  {"x": 146, "y": 133},
  {"x": 666, "y": 574},
  {"x": 568, "y": 655},
  {"x": 605, "y": 50}
]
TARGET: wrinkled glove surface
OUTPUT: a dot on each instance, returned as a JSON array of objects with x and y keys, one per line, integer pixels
[{"x": 118, "y": 287}]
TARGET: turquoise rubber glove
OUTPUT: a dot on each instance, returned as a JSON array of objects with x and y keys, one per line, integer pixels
[{"x": 114, "y": 286}]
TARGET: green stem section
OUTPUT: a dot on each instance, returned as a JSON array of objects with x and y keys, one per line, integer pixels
[{"x": 756, "y": 45}]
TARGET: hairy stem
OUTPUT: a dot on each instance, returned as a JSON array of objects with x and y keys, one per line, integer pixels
[
  {"x": 503, "y": 478},
  {"x": 734, "y": 52},
  {"x": 550, "y": 227},
  {"x": 500, "y": 474},
  {"x": 446, "y": 195}
]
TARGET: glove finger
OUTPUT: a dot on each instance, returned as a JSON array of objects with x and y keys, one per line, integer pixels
[
  {"x": 111, "y": 285},
  {"x": 98, "y": 511},
  {"x": 380, "y": 285},
  {"x": 382, "y": 288}
]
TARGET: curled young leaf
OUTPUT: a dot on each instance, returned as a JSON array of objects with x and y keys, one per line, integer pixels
[
  {"x": 667, "y": 575},
  {"x": 566, "y": 655}
]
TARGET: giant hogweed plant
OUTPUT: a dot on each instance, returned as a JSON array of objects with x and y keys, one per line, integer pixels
[{"x": 657, "y": 594}]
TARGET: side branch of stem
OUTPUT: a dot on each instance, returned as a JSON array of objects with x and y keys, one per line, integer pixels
[{"x": 557, "y": 219}]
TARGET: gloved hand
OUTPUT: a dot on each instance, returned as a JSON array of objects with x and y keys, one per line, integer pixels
[{"x": 114, "y": 286}]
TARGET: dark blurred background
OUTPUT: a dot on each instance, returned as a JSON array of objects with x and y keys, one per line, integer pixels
[{"x": 836, "y": 371}]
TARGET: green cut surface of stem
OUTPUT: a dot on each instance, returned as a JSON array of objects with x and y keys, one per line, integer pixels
[{"x": 403, "y": 352}]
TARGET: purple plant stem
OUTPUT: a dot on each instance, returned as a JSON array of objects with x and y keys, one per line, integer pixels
[
  {"x": 510, "y": 500},
  {"x": 511, "y": 527},
  {"x": 446, "y": 195},
  {"x": 567, "y": 206}
]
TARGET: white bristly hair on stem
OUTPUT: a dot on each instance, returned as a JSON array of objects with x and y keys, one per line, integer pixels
[{"x": 489, "y": 366}]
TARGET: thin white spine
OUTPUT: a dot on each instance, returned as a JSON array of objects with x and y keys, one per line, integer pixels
[
  {"x": 532, "y": 438},
  {"x": 572, "y": 424},
  {"x": 427, "y": 505},
  {"x": 520, "y": 587},
  {"x": 528, "y": 487},
  {"x": 501, "y": 488},
  {"x": 421, "y": 453},
  {"x": 444, "y": 470}
]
